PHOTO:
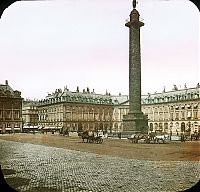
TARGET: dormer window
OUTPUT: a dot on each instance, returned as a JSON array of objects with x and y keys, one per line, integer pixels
[
  {"x": 195, "y": 106},
  {"x": 188, "y": 106}
]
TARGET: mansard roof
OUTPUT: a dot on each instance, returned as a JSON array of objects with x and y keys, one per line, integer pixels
[
  {"x": 172, "y": 96},
  {"x": 120, "y": 99},
  {"x": 27, "y": 103},
  {"x": 93, "y": 98},
  {"x": 164, "y": 97},
  {"x": 7, "y": 91},
  {"x": 76, "y": 97}
]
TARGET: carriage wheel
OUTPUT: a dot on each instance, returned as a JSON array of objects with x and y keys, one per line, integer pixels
[
  {"x": 147, "y": 141},
  {"x": 100, "y": 140}
]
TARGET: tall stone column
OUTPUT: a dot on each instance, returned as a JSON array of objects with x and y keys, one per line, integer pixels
[{"x": 135, "y": 121}]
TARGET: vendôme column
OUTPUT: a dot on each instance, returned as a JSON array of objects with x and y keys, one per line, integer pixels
[{"x": 135, "y": 121}]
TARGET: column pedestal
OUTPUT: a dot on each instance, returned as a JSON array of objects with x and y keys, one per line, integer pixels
[{"x": 134, "y": 123}]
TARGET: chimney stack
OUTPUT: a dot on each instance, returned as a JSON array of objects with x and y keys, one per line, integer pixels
[{"x": 6, "y": 82}]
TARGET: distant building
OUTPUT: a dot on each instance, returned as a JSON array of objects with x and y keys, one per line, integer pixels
[
  {"x": 10, "y": 109},
  {"x": 76, "y": 111},
  {"x": 30, "y": 114},
  {"x": 172, "y": 112},
  {"x": 121, "y": 107}
]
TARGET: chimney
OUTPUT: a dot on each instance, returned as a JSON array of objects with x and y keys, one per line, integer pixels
[{"x": 6, "y": 82}]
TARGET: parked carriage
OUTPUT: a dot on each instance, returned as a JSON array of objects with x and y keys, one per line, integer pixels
[
  {"x": 149, "y": 138},
  {"x": 90, "y": 137},
  {"x": 195, "y": 136},
  {"x": 136, "y": 137}
]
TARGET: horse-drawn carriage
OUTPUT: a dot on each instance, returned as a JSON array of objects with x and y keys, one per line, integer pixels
[
  {"x": 148, "y": 138},
  {"x": 195, "y": 136},
  {"x": 91, "y": 137}
]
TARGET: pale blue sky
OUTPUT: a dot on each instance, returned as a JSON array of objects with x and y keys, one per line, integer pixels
[{"x": 47, "y": 45}]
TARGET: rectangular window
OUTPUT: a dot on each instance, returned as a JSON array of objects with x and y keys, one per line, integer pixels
[
  {"x": 177, "y": 116},
  {"x": 8, "y": 125},
  {"x": 171, "y": 116},
  {"x": 1, "y": 114},
  {"x": 156, "y": 116},
  {"x": 183, "y": 115},
  {"x": 8, "y": 114},
  {"x": 195, "y": 114},
  {"x": 189, "y": 114},
  {"x": 17, "y": 125},
  {"x": 68, "y": 116},
  {"x": 16, "y": 115},
  {"x": 166, "y": 116},
  {"x": 161, "y": 116}
]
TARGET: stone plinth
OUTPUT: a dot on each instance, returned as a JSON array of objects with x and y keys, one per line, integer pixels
[{"x": 134, "y": 123}]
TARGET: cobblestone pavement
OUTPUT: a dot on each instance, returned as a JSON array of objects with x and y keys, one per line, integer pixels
[{"x": 29, "y": 167}]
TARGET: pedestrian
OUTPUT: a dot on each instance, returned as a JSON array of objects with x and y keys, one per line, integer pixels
[
  {"x": 176, "y": 132},
  {"x": 120, "y": 135},
  {"x": 170, "y": 135},
  {"x": 182, "y": 137}
]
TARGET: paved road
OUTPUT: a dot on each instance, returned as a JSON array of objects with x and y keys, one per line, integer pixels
[{"x": 29, "y": 167}]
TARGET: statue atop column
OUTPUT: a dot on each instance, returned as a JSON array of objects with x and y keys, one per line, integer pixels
[{"x": 134, "y": 4}]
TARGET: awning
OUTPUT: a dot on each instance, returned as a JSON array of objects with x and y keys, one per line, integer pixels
[
  {"x": 31, "y": 127},
  {"x": 8, "y": 129},
  {"x": 26, "y": 127},
  {"x": 17, "y": 128}
]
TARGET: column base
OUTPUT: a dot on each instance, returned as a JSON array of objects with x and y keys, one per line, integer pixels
[{"x": 134, "y": 123}]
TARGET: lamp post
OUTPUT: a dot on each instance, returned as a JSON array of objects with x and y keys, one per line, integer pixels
[{"x": 189, "y": 128}]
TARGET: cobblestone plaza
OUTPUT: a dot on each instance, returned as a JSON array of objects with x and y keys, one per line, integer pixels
[{"x": 30, "y": 167}]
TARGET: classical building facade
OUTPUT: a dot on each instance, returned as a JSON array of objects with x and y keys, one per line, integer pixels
[
  {"x": 10, "y": 109},
  {"x": 30, "y": 113},
  {"x": 76, "y": 111},
  {"x": 173, "y": 112}
]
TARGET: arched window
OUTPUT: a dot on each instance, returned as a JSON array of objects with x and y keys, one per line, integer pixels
[
  {"x": 156, "y": 126},
  {"x": 151, "y": 127},
  {"x": 165, "y": 126},
  {"x": 160, "y": 126}
]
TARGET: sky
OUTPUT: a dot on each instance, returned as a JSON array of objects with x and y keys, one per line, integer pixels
[{"x": 46, "y": 45}]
